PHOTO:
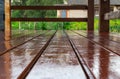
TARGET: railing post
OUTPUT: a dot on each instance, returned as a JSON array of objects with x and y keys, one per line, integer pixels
[
  {"x": 7, "y": 20},
  {"x": 90, "y": 15},
  {"x": 104, "y": 8}
]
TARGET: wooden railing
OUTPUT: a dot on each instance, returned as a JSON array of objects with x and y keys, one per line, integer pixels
[
  {"x": 51, "y": 19},
  {"x": 9, "y": 19},
  {"x": 63, "y": 7},
  {"x": 71, "y": 7}
]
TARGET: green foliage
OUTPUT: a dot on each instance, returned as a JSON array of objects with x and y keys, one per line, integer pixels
[
  {"x": 96, "y": 23},
  {"x": 49, "y": 25},
  {"x": 36, "y": 2},
  {"x": 114, "y": 24},
  {"x": 15, "y": 25},
  {"x": 35, "y": 25},
  {"x": 75, "y": 26},
  {"x": 36, "y": 14}
]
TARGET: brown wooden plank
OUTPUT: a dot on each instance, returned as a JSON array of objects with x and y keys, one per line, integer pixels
[
  {"x": 97, "y": 57},
  {"x": 50, "y": 19},
  {"x": 17, "y": 43},
  {"x": 12, "y": 62},
  {"x": 35, "y": 59},
  {"x": 104, "y": 8},
  {"x": 58, "y": 61},
  {"x": 101, "y": 39},
  {"x": 90, "y": 15},
  {"x": 49, "y": 7}
]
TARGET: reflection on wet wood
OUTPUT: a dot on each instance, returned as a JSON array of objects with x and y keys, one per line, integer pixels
[
  {"x": 4, "y": 69},
  {"x": 7, "y": 59},
  {"x": 104, "y": 71},
  {"x": 105, "y": 40},
  {"x": 13, "y": 60},
  {"x": 90, "y": 53},
  {"x": 100, "y": 56},
  {"x": 19, "y": 41},
  {"x": 100, "y": 61},
  {"x": 58, "y": 61}
]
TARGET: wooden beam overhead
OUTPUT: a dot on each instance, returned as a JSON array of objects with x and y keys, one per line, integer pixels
[
  {"x": 112, "y": 15},
  {"x": 51, "y": 19},
  {"x": 72, "y": 7}
]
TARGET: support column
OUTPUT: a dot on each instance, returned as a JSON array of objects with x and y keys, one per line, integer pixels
[
  {"x": 7, "y": 20},
  {"x": 104, "y": 8},
  {"x": 90, "y": 15}
]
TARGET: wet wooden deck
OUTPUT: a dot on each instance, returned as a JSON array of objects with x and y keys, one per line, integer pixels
[{"x": 60, "y": 55}]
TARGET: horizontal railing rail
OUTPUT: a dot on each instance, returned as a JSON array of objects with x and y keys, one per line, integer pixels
[
  {"x": 65, "y": 7},
  {"x": 50, "y": 19}
]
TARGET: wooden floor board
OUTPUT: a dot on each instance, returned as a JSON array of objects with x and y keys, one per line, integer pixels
[
  {"x": 58, "y": 61},
  {"x": 98, "y": 53},
  {"x": 15, "y": 61},
  {"x": 99, "y": 60}
]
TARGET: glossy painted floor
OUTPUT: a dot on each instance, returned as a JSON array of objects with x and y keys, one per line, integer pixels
[{"x": 60, "y": 55}]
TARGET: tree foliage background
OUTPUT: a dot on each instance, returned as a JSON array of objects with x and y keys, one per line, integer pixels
[
  {"x": 114, "y": 24},
  {"x": 36, "y": 14}
]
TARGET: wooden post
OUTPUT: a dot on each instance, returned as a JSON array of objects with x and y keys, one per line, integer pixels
[
  {"x": 90, "y": 15},
  {"x": 7, "y": 20},
  {"x": 104, "y": 8}
]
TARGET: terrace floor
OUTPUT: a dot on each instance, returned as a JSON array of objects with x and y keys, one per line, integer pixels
[{"x": 60, "y": 55}]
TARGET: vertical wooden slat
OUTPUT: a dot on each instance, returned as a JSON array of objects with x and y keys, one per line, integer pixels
[
  {"x": 7, "y": 20},
  {"x": 90, "y": 15},
  {"x": 104, "y": 8}
]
